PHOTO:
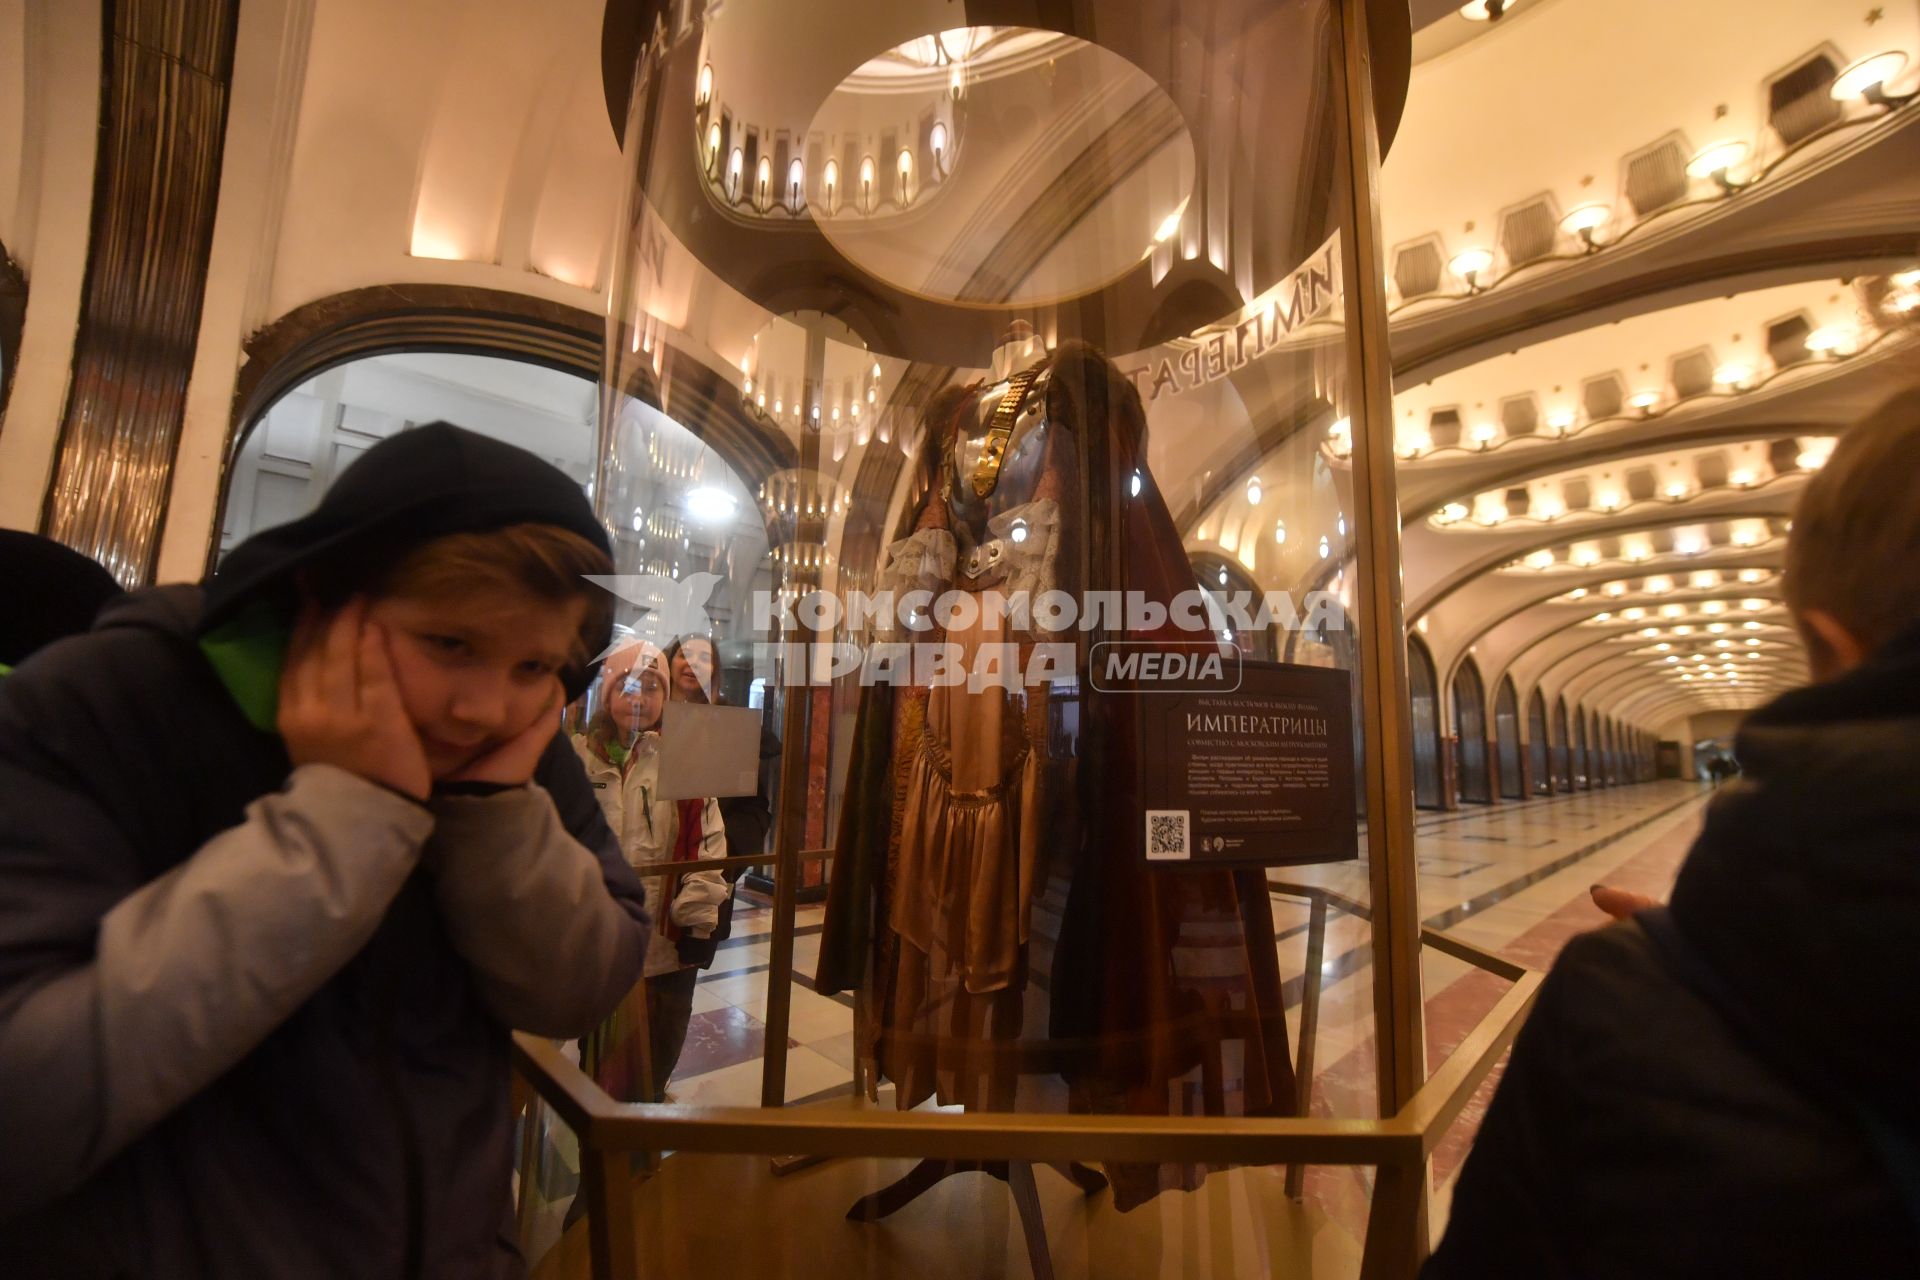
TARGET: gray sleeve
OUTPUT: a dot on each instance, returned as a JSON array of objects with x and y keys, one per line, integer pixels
[
  {"x": 529, "y": 908},
  {"x": 193, "y": 969}
]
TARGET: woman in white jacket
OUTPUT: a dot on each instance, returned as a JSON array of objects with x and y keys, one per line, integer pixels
[{"x": 621, "y": 752}]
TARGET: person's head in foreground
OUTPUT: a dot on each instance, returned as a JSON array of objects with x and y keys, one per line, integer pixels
[
  {"x": 441, "y": 561},
  {"x": 284, "y": 858},
  {"x": 1853, "y": 555},
  {"x": 1725, "y": 1085},
  {"x": 52, "y": 592}
]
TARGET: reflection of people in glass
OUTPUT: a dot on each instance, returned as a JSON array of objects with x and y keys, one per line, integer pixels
[
  {"x": 695, "y": 665},
  {"x": 696, "y": 672},
  {"x": 621, "y": 751}
]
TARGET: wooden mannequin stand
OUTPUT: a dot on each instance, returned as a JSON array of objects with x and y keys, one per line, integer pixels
[{"x": 1017, "y": 1174}]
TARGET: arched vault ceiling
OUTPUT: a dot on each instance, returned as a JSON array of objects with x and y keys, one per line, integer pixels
[
  {"x": 1500, "y": 616},
  {"x": 1517, "y": 111},
  {"x": 1549, "y": 104},
  {"x": 1655, "y": 352}
]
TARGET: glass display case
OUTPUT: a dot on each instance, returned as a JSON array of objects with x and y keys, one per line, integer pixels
[{"x": 1029, "y": 365}]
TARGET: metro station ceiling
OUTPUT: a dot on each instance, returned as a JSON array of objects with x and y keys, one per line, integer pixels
[
  {"x": 1644, "y": 262},
  {"x": 1636, "y": 294}
]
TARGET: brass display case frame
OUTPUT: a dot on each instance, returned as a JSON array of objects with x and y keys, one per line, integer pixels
[{"x": 1416, "y": 1109}]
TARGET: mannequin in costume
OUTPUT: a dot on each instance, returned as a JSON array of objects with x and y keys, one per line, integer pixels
[{"x": 989, "y": 884}]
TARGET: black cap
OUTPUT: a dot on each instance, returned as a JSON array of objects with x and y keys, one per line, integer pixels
[
  {"x": 52, "y": 591},
  {"x": 421, "y": 484}
]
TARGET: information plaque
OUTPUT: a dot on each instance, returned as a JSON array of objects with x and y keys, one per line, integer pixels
[{"x": 1261, "y": 775}]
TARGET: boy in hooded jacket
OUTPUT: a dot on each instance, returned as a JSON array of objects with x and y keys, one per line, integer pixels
[{"x": 283, "y": 858}]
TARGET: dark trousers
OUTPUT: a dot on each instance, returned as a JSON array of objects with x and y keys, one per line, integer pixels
[{"x": 669, "y": 1010}]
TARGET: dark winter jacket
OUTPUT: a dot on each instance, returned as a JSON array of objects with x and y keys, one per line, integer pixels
[
  {"x": 1731, "y": 1091},
  {"x": 254, "y": 1019},
  {"x": 52, "y": 591}
]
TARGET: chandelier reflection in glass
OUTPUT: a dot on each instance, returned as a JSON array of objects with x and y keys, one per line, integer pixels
[{"x": 922, "y": 83}]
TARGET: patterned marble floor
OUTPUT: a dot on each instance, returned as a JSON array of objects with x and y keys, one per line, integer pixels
[
  {"x": 1487, "y": 875},
  {"x": 1512, "y": 878}
]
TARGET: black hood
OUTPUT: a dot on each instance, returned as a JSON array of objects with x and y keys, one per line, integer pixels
[
  {"x": 1803, "y": 892},
  {"x": 418, "y": 485},
  {"x": 52, "y": 591}
]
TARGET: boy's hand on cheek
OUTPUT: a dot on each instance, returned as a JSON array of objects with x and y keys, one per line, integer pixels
[
  {"x": 511, "y": 764},
  {"x": 339, "y": 704}
]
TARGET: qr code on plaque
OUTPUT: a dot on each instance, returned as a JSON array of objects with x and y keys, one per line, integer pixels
[{"x": 1167, "y": 835}]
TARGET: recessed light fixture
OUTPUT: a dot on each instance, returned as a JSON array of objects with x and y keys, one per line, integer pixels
[
  {"x": 1717, "y": 161},
  {"x": 1814, "y": 454},
  {"x": 1830, "y": 339},
  {"x": 1868, "y": 79},
  {"x": 1279, "y": 531},
  {"x": 1468, "y": 264},
  {"x": 1585, "y": 223},
  {"x": 1486, "y": 10},
  {"x": 1340, "y": 434},
  {"x": 1254, "y": 491}
]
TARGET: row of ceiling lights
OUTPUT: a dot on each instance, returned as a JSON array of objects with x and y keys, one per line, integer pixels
[
  {"x": 1865, "y": 79},
  {"x": 1490, "y": 508},
  {"x": 1829, "y": 342},
  {"x": 867, "y": 196},
  {"x": 1637, "y": 547},
  {"x": 1660, "y": 584}
]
